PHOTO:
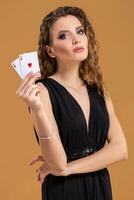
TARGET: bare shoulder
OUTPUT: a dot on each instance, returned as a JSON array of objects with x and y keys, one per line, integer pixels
[{"x": 109, "y": 105}]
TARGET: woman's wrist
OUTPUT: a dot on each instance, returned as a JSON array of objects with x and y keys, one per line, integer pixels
[
  {"x": 69, "y": 169},
  {"x": 39, "y": 112}
]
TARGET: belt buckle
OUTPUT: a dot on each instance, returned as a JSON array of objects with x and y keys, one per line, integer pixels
[
  {"x": 83, "y": 153},
  {"x": 88, "y": 151}
]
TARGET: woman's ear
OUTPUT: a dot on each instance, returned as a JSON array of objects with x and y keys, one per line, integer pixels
[{"x": 49, "y": 51}]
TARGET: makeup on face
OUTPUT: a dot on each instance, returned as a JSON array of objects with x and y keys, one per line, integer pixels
[
  {"x": 69, "y": 40},
  {"x": 63, "y": 33},
  {"x": 78, "y": 49}
]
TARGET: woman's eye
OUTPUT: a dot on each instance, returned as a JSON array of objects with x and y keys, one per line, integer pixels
[
  {"x": 62, "y": 36},
  {"x": 81, "y": 30}
]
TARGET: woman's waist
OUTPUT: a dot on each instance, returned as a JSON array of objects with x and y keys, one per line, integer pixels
[{"x": 81, "y": 152}]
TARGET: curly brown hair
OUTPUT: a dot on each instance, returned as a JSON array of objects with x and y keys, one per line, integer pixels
[{"x": 89, "y": 69}]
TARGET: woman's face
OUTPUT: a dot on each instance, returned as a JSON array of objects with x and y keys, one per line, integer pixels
[{"x": 68, "y": 33}]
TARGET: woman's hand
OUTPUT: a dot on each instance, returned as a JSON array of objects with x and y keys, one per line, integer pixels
[
  {"x": 28, "y": 91},
  {"x": 44, "y": 169}
]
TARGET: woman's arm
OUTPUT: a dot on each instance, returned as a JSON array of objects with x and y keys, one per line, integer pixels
[
  {"x": 45, "y": 124},
  {"x": 114, "y": 151}
]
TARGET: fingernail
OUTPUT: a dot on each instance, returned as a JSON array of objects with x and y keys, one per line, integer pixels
[{"x": 30, "y": 73}]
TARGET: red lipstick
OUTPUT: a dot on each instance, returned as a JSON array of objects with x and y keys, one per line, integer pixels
[{"x": 78, "y": 49}]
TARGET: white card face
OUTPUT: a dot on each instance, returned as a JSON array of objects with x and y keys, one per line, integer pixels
[
  {"x": 29, "y": 62},
  {"x": 16, "y": 65}
]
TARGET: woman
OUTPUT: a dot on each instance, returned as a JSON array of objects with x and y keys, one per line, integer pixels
[{"x": 72, "y": 112}]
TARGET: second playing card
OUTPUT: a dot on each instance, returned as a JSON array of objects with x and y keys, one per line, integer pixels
[
  {"x": 29, "y": 62},
  {"x": 17, "y": 67}
]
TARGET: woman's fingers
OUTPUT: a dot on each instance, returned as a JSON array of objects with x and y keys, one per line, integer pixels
[
  {"x": 31, "y": 81},
  {"x": 25, "y": 80},
  {"x": 28, "y": 83},
  {"x": 36, "y": 159},
  {"x": 25, "y": 92},
  {"x": 38, "y": 176},
  {"x": 42, "y": 168},
  {"x": 34, "y": 92},
  {"x": 28, "y": 92},
  {"x": 39, "y": 169},
  {"x": 28, "y": 76},
  {"x": 41, "y": 174},
  {"x": 28, "y": 80}
]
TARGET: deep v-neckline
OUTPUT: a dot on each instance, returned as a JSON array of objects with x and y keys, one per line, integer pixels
[{"x": 78, "y": 105}]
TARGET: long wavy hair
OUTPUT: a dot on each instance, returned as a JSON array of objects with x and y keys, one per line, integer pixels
[{"x": 89, "y": 69}]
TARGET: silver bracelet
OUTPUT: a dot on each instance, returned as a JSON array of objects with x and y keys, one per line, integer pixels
[{"x": 46, "y": 138}]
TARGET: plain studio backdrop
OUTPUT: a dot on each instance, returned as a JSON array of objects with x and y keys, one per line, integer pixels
[{"x": 113, "y": 23}]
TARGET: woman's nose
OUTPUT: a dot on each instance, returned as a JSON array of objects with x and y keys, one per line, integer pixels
[{"x": 76, "y": 40}]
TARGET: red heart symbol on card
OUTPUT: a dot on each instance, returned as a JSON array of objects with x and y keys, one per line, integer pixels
[{"x": 29, "y": 64}]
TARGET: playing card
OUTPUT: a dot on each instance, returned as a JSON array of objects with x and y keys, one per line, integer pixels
[
  {"x": 16, "y": 65},
  {"x": 29, "y": 62}
]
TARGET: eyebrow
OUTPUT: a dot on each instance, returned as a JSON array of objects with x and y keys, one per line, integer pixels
[{"x": 67, "y": 30}]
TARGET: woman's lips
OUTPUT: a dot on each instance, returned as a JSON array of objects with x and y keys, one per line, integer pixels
[{"x": 78, "y": 50}]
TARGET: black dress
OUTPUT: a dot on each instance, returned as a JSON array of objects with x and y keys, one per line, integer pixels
[{"x": 78, "y": 140}]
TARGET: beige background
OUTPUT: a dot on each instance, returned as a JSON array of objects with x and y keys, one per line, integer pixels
[{"x": 19, "y": 29}]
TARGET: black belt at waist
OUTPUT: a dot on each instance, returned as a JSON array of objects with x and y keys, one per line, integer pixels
[{"x": 82, "y": 152}]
